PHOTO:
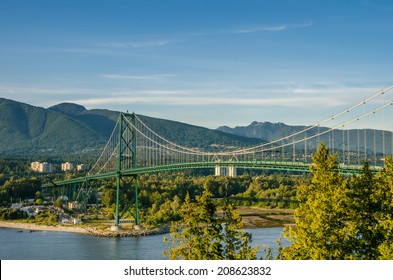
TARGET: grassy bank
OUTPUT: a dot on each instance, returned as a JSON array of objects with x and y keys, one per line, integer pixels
[{"x": 261, "y": 218}]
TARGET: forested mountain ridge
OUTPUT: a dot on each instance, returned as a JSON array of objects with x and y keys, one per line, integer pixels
[
  {"x": 67, "y": 128},
  {"x": 64, "y": 129}
]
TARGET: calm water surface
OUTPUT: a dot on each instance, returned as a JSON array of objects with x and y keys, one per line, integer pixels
[{"x": 45, "y": 245}]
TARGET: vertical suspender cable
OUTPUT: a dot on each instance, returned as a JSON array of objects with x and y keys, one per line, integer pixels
[
  {"x": 358, "y": 163},
  {"x": 333, "y": 141},
  {"x": 375, "y": 143},
  {"x": 348, "y": 150},
  {"x": 383, "y": 135},
  {"x": 365, "y": 132},
  {"x": 305, "y": 147},
  {"x": 343, "y": 146}
]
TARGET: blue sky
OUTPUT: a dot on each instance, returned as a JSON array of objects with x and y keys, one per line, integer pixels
[{"x": 203, "y": 62}]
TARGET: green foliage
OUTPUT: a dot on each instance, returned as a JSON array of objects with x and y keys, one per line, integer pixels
[
  {"x": 384, "y": 197},
  {"x": 363, "y": 211},
  {"x": 167, "y": 212},
  {"x": 12, "y": 167},
  {"x": 195, "y": 136},
  {"x": 39, "y": 201},
  {"x": 58, "y": 202},
  {"x": 271, "y": 191},
  {"x": 22, "y": 188},
  {"x": 12, "y": 214},
  {"x": 202, "y": 235},
  {"x": 320, "y": 218},
  {"x": 236, "y": 243},
  {"x": 158, "y": 192},
  {"x": 69, "y": 129},
  {"x": 342, "y": 219},
  {"x": 30, "y": 130},
  {"x": 46, "y": 218}
]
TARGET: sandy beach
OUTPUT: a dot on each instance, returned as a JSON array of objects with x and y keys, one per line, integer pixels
[
  {"x": 85, "y": 230},
  {"x": 33, "y": 227}
]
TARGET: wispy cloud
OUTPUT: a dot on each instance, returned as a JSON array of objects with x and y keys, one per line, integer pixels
[
  {"x": 157, "y": 77},
  {"x": 186, "y": 98},
  {"x": 137, "y": 44},
  {"x": 333, "y": 90},
  {"x": 259, "y": 29},
  {"x": 21, "y": 89},
  {"x": 176, "y": 38},
  {"x": 269, "y": 28},
  {"x": 275, "y": 102}
]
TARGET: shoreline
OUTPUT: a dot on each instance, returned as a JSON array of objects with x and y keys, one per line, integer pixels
[
  {"x": 252, "y": 218},
  {"x": 95, "y": 232},
  {"x": 82, "y": 230},
  {"x": 34, "y": 227}
]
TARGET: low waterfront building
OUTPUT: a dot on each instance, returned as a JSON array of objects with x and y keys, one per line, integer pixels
[
  {"x": 16, "y": 205},
  {"x": 74, "y": 205},
  {"x": 31, "y": 211}
]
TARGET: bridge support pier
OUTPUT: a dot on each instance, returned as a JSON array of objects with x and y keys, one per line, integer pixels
[
  {"x": 126, "y": 155},
  {"x": 230, "y": 171},
  {"x": 118, "y": 216},
  {"x": 118, "y": 183}
]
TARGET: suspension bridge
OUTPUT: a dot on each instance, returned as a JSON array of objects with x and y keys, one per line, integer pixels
[{"x": 360, "y": 133}]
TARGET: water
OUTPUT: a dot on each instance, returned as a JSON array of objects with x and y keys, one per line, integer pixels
[{"x": 45, "y": 245}]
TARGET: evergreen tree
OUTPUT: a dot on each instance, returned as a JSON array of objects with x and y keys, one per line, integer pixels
[
  {"x": 200, "y": 238},
  {"x": 236, "y": 242},
  {"x": 202, "y": 235},
  {"x": 384, "y": 196},
  {"x": 320, "y": 231},
  {"x": 363, "y": 211}
]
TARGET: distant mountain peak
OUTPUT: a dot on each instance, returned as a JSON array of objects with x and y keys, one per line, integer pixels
[
  {"x": 68, "y": 108},
  {"x": 260, "y": 130}
]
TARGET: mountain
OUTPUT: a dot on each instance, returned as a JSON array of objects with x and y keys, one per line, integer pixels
[
  {"x": 70, "y": 129},
  {"x": 267, "y": 131},
  {"x": 68, "y": 108},
  {"x": 67, "y": 128},
  {"x": 26, "y": 129},
  {"x": 263, "y": 130}
]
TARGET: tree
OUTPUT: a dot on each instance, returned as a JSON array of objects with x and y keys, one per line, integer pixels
[
  {"x": 39, "y": 201},
  {"x": 202, "y": 235},
  {"x": 341, "y": 219},
  {"x": 58, "y": 203},
  {"x": 320, "y": 218},
  {"x": 364, "y": 206},
  {"x": 236, "y": 243},
  {"x": 384, "y": 196}
]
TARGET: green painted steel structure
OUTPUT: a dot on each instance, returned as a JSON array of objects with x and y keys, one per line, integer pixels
[{"x": 126, "y": 147}]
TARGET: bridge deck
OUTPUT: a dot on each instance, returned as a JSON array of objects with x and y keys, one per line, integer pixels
[{"x": 296, "y": 166}]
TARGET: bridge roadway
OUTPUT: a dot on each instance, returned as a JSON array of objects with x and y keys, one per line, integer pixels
[{"x": 296, "y": 166}]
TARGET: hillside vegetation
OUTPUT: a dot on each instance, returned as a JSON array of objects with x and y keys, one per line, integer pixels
[{"x": 68, "y": 128}]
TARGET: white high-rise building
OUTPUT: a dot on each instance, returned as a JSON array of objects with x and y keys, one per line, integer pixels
[
  {"x": 42, "y": 167},
  {"x": 83, "y": 167},
  {"x": 46, "y": 167},
  {"x": 67, "y": 166},
  {"x": 35, "y": 166}
]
